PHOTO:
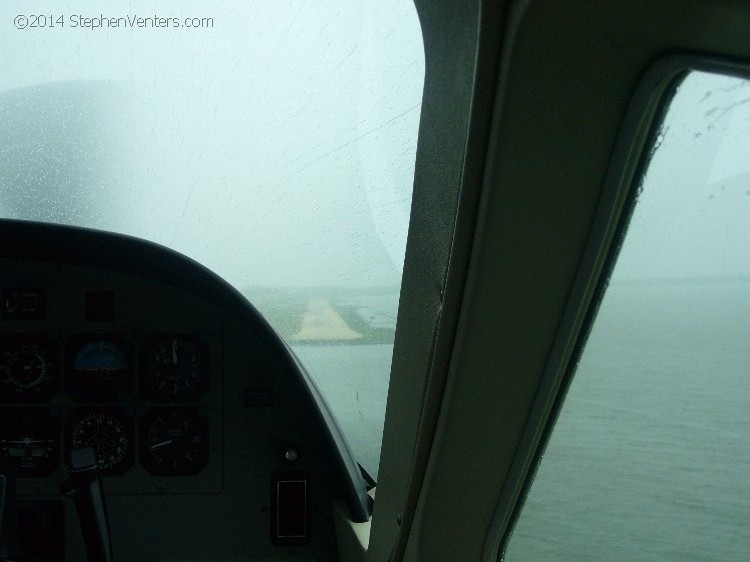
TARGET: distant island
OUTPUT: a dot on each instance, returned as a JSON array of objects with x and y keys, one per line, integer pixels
[{"x": 682, "y": 281}]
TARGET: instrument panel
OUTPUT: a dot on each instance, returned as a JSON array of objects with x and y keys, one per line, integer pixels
[
  {"x": 199, "y": 414},
  {"x": 130, "y": 402}
]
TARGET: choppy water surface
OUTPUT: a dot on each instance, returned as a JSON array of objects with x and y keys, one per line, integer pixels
[{"x": 650, "y": 456}]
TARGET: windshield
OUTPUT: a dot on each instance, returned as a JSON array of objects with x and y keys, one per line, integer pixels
[{"x": 274, "y": 142}]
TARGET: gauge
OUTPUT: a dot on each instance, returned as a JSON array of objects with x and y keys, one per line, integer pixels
[
  {"x": 175, "y": 369},
  {"x": 109, "y": 433},
  {"x": 28, "y": 369},
  {"x": 29, "y": 441},
  {"x": 174, "y": 441},
  {"x": 99, "y": 369}
]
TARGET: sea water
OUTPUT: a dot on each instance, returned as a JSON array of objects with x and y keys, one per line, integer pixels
[
  {"x": 354, "y": 381},
  {"x": 650, "y": 457}
]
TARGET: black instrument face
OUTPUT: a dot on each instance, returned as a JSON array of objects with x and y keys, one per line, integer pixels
[
  {"x": 99, "y": 369},
  {"x": 174, "y": 441},
  {"x": 29, "y": 441},
  {"x": 28, "y": 369},
  {"x": 175, "y": 369},
  {"x": 109, "y": 433}
]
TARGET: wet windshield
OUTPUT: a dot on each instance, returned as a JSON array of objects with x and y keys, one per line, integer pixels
[{"x": 274, "y": 142}]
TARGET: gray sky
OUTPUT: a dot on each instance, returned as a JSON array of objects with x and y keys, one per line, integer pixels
[
  {"x": 276, "y": 147},
  {"x": 693, "y": 217}
]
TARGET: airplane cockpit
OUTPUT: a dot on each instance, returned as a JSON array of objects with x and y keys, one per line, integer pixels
[
  {"x": 398, "y": 280},
  {"x": 195, "y": 408},
  {"x": 171, "y": 231}
]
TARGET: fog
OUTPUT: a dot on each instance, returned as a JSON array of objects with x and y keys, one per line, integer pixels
[
  {"x": 693, "y": 216},
  {"x": 275, "y": 144}
]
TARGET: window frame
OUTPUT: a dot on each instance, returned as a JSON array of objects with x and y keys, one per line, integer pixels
[{"x": 630, "y": 161}]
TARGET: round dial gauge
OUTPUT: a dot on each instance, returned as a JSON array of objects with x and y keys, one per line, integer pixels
[
  {"x": 99, "y": 370},
  {"x": 109, "y": 434},
  {"x": 25, "y": 367},
  {"x": 174, "y": 441},
  {"x": 28, "y": 371},
  {"x": 102, "y": 359},
  {"x": 29, "y": 441},
  {"x": 175, "y": 369}
]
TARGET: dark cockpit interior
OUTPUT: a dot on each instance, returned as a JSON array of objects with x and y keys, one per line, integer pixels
[{"x": 211, "y": 440}]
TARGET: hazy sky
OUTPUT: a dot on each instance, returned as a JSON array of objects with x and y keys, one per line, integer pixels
[
  {"x": 693, "y": 217},
  {"x": 277, "y": 146}
]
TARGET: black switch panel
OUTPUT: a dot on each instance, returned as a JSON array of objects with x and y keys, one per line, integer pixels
[{"x": 290, "y": 512}]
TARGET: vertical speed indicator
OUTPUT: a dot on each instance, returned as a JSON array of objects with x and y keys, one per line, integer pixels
[{"x": 174, "y": 441}]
